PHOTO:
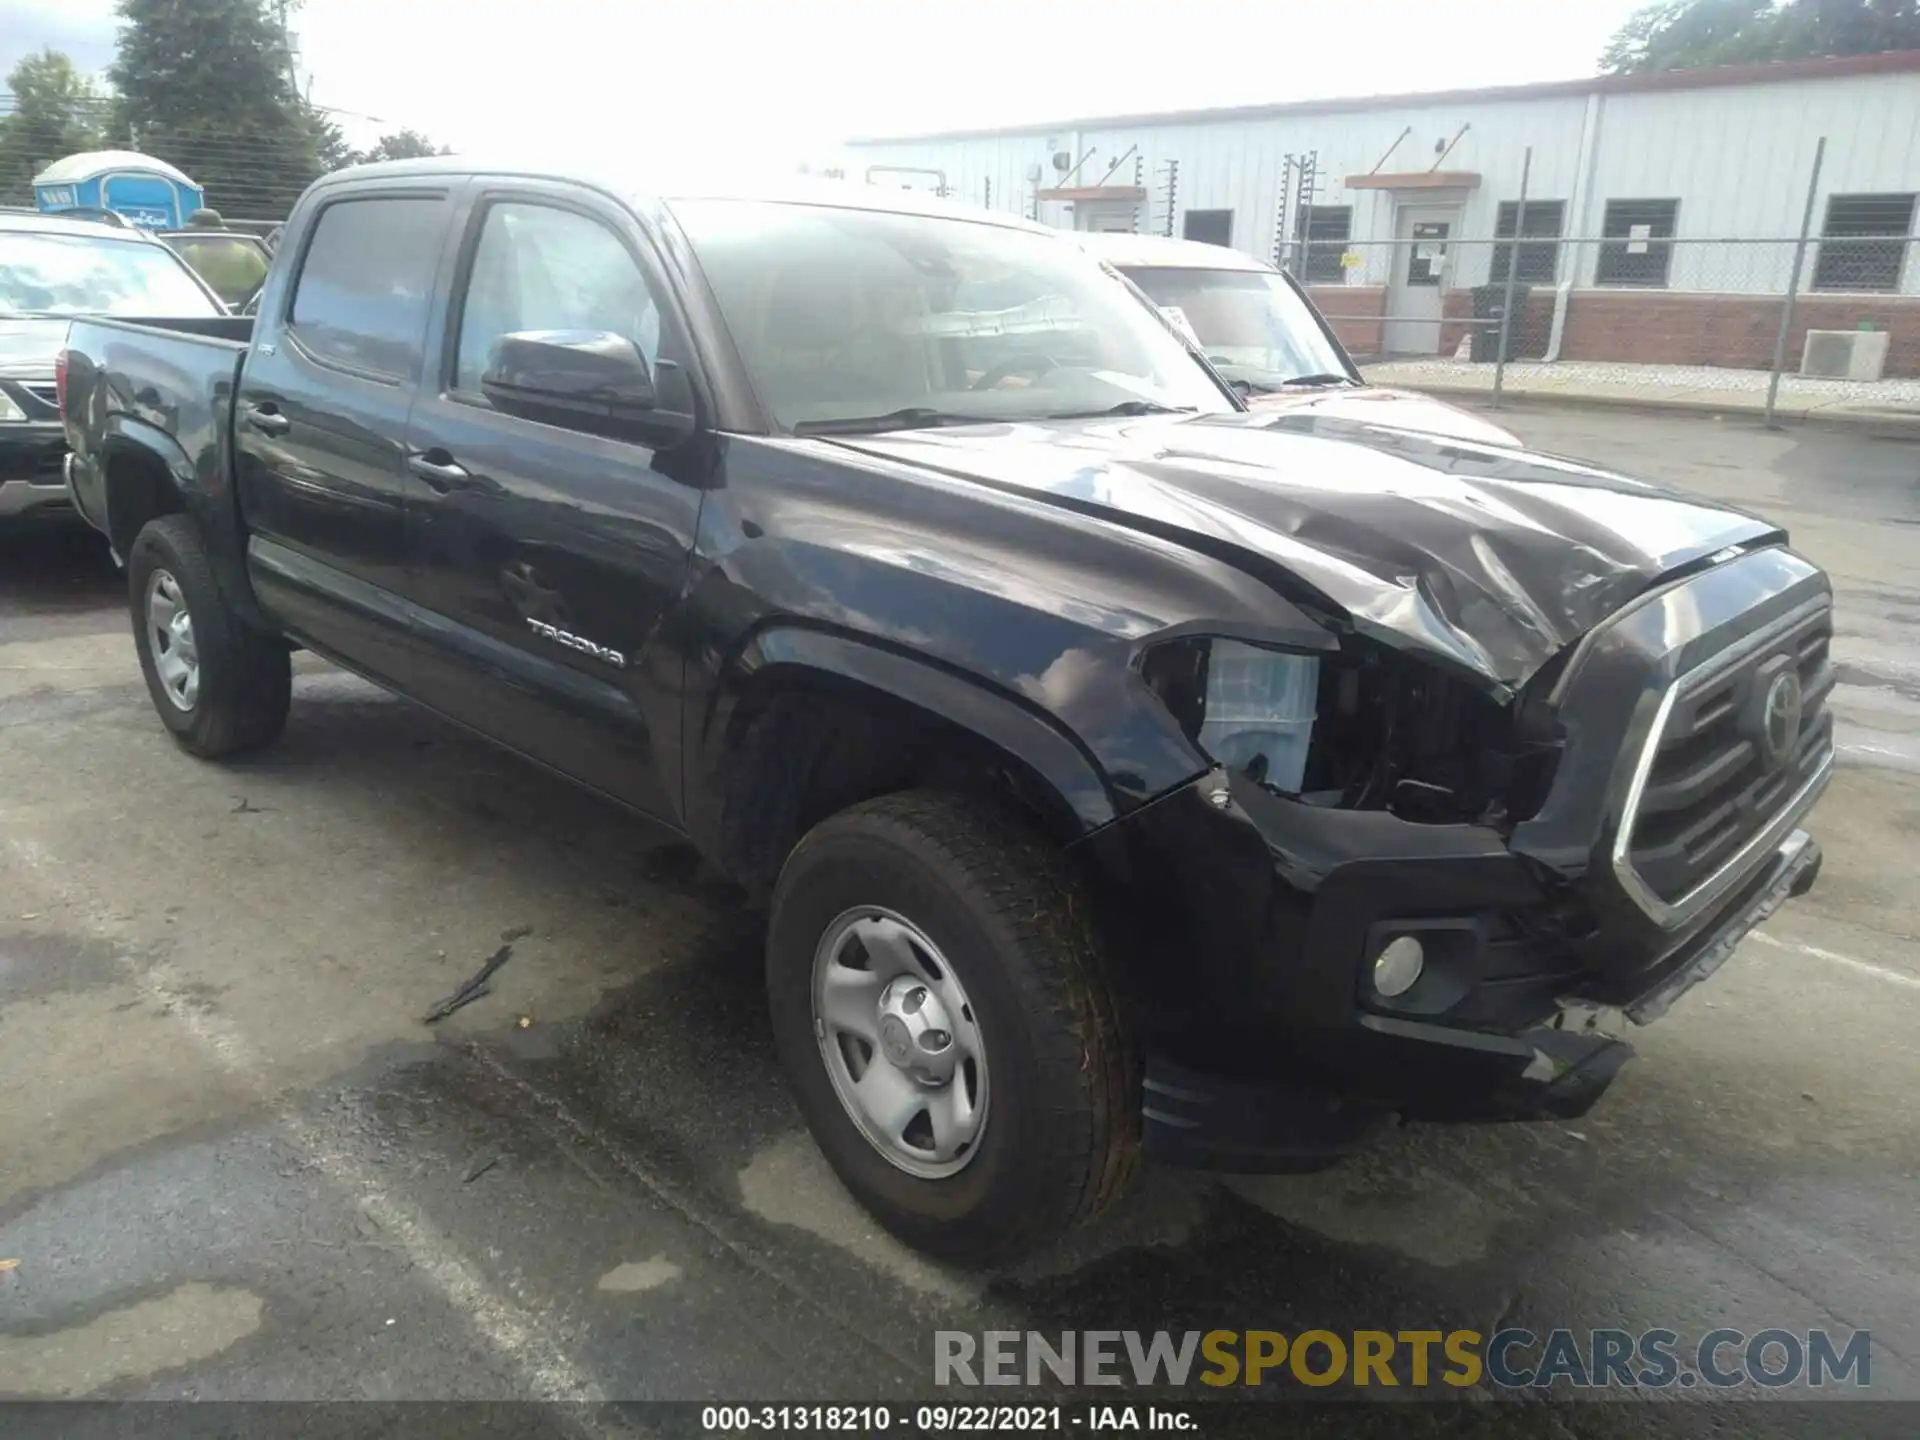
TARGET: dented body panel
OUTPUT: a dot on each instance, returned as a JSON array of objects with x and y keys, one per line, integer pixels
[{"x": 1490, "y": 559}]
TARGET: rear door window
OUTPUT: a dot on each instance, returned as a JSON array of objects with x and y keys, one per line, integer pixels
[{"x": 364, "y": 289}]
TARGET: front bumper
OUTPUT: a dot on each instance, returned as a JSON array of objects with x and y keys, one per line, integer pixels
[
  {"x": 34, "y": 500},
  {"x": 32, "y": 472},
  {"x": 1287, "y": 1084},
  {"x": 1268, "y": 1047}
]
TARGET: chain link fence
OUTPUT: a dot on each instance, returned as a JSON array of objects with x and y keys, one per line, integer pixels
[
  {"x": 1832, "y": 313},
  {"x": 1690, "y": 301}
]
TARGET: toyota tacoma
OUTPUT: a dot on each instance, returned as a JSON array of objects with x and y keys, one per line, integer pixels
[{"x": 1123, "y": 771}]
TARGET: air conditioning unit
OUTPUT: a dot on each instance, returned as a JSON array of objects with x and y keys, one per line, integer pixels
[{"x": 1845, "y": 354}]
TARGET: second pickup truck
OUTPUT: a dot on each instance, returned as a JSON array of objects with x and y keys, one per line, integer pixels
[{"x": 1125, "y": 772}]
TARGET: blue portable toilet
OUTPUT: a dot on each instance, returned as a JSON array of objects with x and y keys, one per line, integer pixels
[{"x": 149, "y": 193}]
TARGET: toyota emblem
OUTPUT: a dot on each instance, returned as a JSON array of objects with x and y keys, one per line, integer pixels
[{"x": 1780, "y": 720}]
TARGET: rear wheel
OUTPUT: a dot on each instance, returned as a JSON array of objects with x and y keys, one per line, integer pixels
[
  {"x": 219, "y": 686},
  {"x": 941, "y": 1004}
]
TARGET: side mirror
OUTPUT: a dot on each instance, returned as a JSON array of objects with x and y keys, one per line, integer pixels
[{"x": 581, "y": 379}]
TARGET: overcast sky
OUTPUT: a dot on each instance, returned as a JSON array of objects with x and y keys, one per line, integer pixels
[{"x": 775, "y": 81}]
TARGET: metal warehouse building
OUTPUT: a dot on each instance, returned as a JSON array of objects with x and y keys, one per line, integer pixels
[{"x": 1660, "y": 222}]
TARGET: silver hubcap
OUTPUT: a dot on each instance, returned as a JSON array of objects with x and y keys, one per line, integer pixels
[
  {"x": 170, "y": 637},
  {"x": 900, "y": 1042}
]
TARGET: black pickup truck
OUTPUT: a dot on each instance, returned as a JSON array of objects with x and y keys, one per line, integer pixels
[{"x": 1124, "y": 772}]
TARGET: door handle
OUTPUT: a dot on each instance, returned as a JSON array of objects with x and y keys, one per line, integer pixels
[
  {"x": 442, "y": 476},
  {"x": 267, "y": 420}
]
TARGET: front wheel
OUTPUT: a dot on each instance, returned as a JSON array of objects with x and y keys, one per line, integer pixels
[
  {"x": 942, "y": 1007},
  {"x": 219, "y": 686}
]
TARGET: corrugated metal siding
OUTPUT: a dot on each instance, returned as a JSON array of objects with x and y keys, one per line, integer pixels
[
  {"x": 1736, "y": 157},
  {"x": 1738, "y": 160}
]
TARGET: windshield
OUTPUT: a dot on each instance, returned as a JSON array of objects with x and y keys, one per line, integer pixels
[
  {"x": 49, "y": 274},
  {"x": 857, "y": 319},
  {"x": 1254, "y": 326},
  {"x": 234, "y": 265}
]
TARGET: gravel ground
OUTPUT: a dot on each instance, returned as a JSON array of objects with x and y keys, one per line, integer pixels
[{"x": 1657, "y": 378}]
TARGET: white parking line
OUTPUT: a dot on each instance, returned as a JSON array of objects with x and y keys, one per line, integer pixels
[
  {"x": 521, "y": 1338},
  {"x": 1879, "y": 972}
]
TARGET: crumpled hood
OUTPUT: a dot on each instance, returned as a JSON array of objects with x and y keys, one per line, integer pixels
[
  {"x": 1379, "y": 405},
  {"x": 29, "y": 344},
  {"x": 1490, "y": 557}
]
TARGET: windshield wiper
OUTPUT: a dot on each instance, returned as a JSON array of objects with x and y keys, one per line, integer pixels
[
  {"x": 1125, "y": 407},
  {"x": 1316, "y": 381},
  {"x": 912, "y": 417}
]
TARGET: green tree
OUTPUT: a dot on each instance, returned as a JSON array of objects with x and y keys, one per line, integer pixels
[
  {"x": 55, "y": 112},
  {"x": 329, "y": 142},
  {"x": 402, "y": 145},
  {"x": 1846, "y": 27},
  {"x": 1685, "y": 34},
  {"x": 208, "y": 85}
]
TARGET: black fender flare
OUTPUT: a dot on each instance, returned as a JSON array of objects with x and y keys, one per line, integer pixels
[
  {"x": 122, "y": 434},
  {"x": 203, "y": 498},
  {"x": 1001, "y": 720}
]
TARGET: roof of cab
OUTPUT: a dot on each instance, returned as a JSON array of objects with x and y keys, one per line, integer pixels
[
  {"x": 793, "y": 190},
  {"x": 1160, "y": 252}
]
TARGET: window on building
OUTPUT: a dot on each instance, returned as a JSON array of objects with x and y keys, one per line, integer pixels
[
  {"x": 1212, "y": 227},
  {"x": 1539, "y": 241},
  {"x": 1863, "y": 245},
  {"x": 364, "y": 286},
  {"x": 1637, "y": 248},
  {"x": 1325, "y": 230}
]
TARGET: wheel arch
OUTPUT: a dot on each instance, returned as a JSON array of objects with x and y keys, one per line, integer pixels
[
  {"x": 815, "y": 721},
  {"x": 146, "y": 476}
]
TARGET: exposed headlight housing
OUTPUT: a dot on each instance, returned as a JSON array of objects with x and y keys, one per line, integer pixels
[
  {"x": 1258, "y": 711},
  {"x": 10, "y": 411},
  {"x": 1251, "y": 708},
  {"x": 1357, "y": 727}
]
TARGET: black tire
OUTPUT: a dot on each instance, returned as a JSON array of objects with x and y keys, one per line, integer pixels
[
  {"x": 1061, "y": 1139},
  {"x": 245, "y": 676}
]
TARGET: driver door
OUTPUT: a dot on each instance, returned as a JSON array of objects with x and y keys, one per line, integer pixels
[{"x": 542, "y": 557}]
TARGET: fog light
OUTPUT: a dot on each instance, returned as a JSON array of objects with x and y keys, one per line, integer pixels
[{"x": 1398, "y": 966}]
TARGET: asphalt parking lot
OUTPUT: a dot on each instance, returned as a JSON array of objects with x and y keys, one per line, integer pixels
[{"x": 234, "y": 1163}]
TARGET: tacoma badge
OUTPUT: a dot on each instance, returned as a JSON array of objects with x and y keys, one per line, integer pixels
[{"x": 578, "y": 642}]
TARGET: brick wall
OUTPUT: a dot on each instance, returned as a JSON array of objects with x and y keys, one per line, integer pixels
[
  {"x": 1660, "y": 327},
  {"x": 1646, "y": 327},
  {"x": 1355, "y": 312}
]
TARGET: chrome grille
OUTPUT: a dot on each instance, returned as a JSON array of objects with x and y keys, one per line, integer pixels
[
  {"x": 47, "y": 393},
  {"x": 1713, "y": 782}
]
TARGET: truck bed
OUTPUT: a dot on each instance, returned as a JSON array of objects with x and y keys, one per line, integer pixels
[
  {"x": 168, "y": 387},
  {"x": 233, "y": 329}
]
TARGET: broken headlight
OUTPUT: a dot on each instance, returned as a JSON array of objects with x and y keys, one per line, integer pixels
[
  {"x": 1358, "y": 728},
  {"x": 1249, "y": 707},
  {"x": 1257, "y": 711}
]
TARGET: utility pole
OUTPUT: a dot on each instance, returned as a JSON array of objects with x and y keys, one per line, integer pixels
[{"x": 282, "y": 11}]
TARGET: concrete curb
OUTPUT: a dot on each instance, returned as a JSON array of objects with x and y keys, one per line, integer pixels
[{"x": 1899, "y": 424}]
